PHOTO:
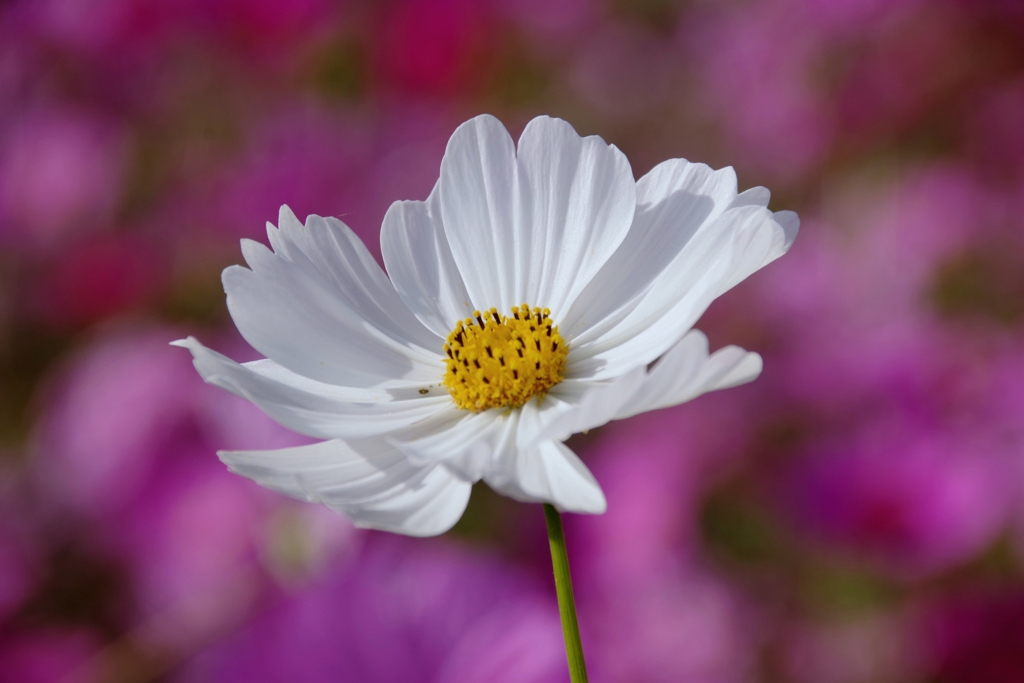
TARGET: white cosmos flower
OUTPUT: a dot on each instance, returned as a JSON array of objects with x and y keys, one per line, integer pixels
[{"x": 361, "y": 359}]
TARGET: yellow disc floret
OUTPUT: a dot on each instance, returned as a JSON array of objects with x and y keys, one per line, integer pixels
[{"x": 496, "y": 361}]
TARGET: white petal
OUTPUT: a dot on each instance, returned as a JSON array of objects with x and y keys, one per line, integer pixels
[
  {"x": 534, "y": 228},
  {"x": 755, "y": 196},
  {"x": 467, "y": 446},
  {"x": 577, "y": 197},
  {"x": 478, "y": 207},
  {"x": 719, "y": 255},
  {"x": 369, "y": 482},
  {"x": 421, "y": 265},
  {"x": 322, "y": 307},
  {"x": 548, "y": 473},
  {"x": 673, "y": 201},
  {"x": 320, "y": 410},
  {"x": 592, "y": 404},
  {"x": 687, "y": 371}
]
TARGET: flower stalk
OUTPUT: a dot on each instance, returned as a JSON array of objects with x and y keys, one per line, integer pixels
[{"x": 566, "y": 601}]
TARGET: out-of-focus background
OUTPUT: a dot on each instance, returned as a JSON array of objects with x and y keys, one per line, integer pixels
[{"x": 854, "y": 516}]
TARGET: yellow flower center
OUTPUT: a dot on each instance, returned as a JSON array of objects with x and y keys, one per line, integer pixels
[{"x": 496, "y": 361}]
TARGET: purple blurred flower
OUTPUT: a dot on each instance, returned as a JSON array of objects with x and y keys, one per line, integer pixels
[
  {"x": 19, "y": 566},
  {"x": 551, "y": 24},
  {"x": 852, "y": 17},
  {"x": 60, "y": 172},
  {"x": 911, "y": 503},
  {"x": 649, "y": 610},
  {"x": 865, "y": 648},
  {"x": 271, "y": 29},
  {"x": 853, "y": 308},
  {"x": 327, "y": 162},
  {"x": 404, "y": 611},
  {"x": 754, "y": 69},
  {"x": 995, "y": 136},
  {"x": 772, "y": 71},
  {"x": 903, "y": 72},
  {"x": 434, "y": 47},
  {"x": 89, "y": 282},
  {"x": 976, "y": 638},
  {"x": 623, "y": 71},
  {"x": 304, "y": 156},
  {"x": 125, "y": 28},
  {"x": 127, "y": 447},
  {"x": 47, "y": 656}
]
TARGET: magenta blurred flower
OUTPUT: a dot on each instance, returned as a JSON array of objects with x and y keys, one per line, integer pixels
[
  {"x": 913, "y": 504},
  {"x": 19, "y": 566},
  {"x": 771, "y": 72},
  {"x": 113, "y": 28},
  {"x": 124, "y": 447},
  {"x": 873, "y": 647},
  {"x": 550, "y": 24},
  {"x": 650, "y": 611},
  {"x": 60, "y": 173},
  {"x": 624, "y": 71},
  {"x": 273, "y": 29},
  {"x": 91, "y": 281},
  {"x": 995, "y": 137},
  {"x": 975, "y": 638},
  {"x": 303, "y": 155},
  {"x": 657, "y": 467},
  {"x": 855, "y": 307},
  {"x": 904, "y": 70},
  {"x": 757, "y": 84},
  {"x": 433, "y": 47},
  {"x": 339, "y": 162},
  {"x": 401, "y": 612},
  {"x": 47, "y": 656},
  {"x": 852, "y": 18}
]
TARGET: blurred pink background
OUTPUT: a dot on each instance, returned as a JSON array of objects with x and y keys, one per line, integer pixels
[{"x": 854, "y": 516}]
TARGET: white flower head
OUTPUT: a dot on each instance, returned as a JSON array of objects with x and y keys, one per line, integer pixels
[{"x": 539, "y": 291}]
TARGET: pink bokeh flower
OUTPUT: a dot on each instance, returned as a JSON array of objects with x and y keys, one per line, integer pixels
[
  {"x": 651, "y": 609},
  {"x": 92, "y": 281},
  {"x": 439, "y": 613},
  {"x": 433, "y": 47},
  {"x": 125, "y": 448},
  {"x": 60, "y": 173}
]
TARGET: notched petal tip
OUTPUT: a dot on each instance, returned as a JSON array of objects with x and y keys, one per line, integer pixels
[{"x": 286, "y": 219}]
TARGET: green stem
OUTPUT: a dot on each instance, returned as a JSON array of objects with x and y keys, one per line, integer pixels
[{"x": 566, "y": 602}]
